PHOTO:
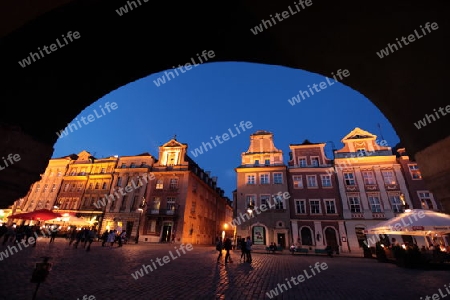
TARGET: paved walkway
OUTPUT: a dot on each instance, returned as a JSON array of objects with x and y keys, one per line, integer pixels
[{"x": 105, "y": 273}]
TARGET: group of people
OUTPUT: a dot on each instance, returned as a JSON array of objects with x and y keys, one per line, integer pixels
[
  {"x": 85, "y": 236},
  {"x": 112, "y": 236},
  {"x": 245, "y": 244}
]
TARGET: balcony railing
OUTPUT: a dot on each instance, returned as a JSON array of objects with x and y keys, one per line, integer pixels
[
  {"x": 357, "y": 216},
  {"x": 166, "y": 212},
  {"x": 379, "y": 215}
]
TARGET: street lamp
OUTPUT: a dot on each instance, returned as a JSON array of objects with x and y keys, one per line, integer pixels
[{"x": 141, "y": 210}]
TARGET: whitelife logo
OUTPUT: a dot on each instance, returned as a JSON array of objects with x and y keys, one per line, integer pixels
[
  {"x": 197, "y": 151},
  {"x": 430, "y": 118},
  {"x": 90, "y": 118},
  {"x": 165, "y": 260},
  {"x": 318, "y": 87},
  {"x": 281, "y": 17},
  {"x": 188, "y": 66},
  {"x": 34, "y": 56},
  {"x": 11, "y": 158},
  {"x": 296, "y": 280},
  {"x": 411, "y": 38}
]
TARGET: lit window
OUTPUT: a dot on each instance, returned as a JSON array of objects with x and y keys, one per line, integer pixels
[
  {"x": 414, "y": 171},
  {"x": 297, "y": 181}
]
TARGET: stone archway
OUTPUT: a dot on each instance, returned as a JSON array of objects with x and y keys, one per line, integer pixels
[{"x": 114, "y": 50}]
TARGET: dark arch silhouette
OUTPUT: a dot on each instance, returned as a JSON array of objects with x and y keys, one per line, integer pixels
[{"x": 112, "y": 50}]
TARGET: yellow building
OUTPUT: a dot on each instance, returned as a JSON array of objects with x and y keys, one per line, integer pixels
[
  {"x": 122, "y": 204},
  {"x": 44, "y": 193},
  {"x": 371, "y": 184}
]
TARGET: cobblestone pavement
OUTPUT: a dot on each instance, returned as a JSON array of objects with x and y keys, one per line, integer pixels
[{"x": 105, "y": 273}]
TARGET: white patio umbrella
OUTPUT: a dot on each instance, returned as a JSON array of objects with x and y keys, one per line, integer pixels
[
  {"x": 71, "y": 220},
  {"x": 414, "y": 222}
]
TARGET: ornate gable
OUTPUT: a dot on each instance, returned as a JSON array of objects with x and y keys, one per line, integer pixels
[{"x": 359, "y": 134}]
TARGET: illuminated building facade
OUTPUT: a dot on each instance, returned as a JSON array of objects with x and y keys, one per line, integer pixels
[
  {"x": 183, "y": 202},
  {"x": 316, "y": 209},
  {"x": 261, "y": 197}
]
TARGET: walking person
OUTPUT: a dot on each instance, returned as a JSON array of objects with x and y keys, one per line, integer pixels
[
  {"x": 219, "y": 247},
  {"x": 90, "y": 238},
  {"x": 227, "y": 245},
  {"x": 111, "y": 237},
  {"x": 104, "y": 237},
  {"x": 248, "y": 249},
  {"x": 243, "y": 245}
]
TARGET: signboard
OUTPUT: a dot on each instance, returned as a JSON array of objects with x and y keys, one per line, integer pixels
[{"x": 258, "y": 235}]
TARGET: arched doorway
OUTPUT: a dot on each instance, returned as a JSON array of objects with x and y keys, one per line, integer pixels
[
  {"x": 331, "y": 238},
  {"x": 306, "y": 236}
]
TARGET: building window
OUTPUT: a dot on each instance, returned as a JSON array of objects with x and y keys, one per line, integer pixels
[
  {"x": 156, "y": 203},
  {"x": 374, "y": 202},
  {"x": 267, "y": 162},
  {"x": 311, "y": 181},
  {"x": 297, "y": 181},
  {"x": 251, "y": 201},
  {"x": 302, "y": 162},
  {"x": 361, "y": 152},
  {"x": 170, "y": 203},
  {"x": 315, "y": 161},
  {"x": 354, "y": 203},
  {"x": 330, "y": 206},
  {"x": 251, "y": 179},
  {"x": 103, "y": 170},
  {"x": 278, "y": 178},
  {"x": 135, "y": 203},
  {"x": 388, "y": 177},
  {"x": 97, "y": 186},
  {"x": 173, "y": 184},
  {"x": 119, "y": 181},
  {"x": 279, "y": 204},
  {"x": 300, "y": 207},
  {"x": 45, "y": 188},
  {"x": 123, "y": 166},
  {"x": 396, "y": 203},
  {"x": 104, "y": 186},
  {"x": 59, "y": 173},
  {"x": 264, "y": 178},
  {"x": 66, "y": 187},
  {"x": 256, "y": 162},
  {"x": 133, "y": 165},
  {"x": 369, "y": 178},
  {"x": 414, "y": 171},
  {"x": 314, "y": 206},
  {"x": 80, "y": 187},
  {"x": 53, "y": 188},
  {"x": 38, "y": 188},
  {"x": 426, "y": 199},
  {"x": 349, "y": 178},
  {"x": 326, "y": 180},
  {"x": 159, "y": 184},
  {"x": 265, "y": 200}
]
